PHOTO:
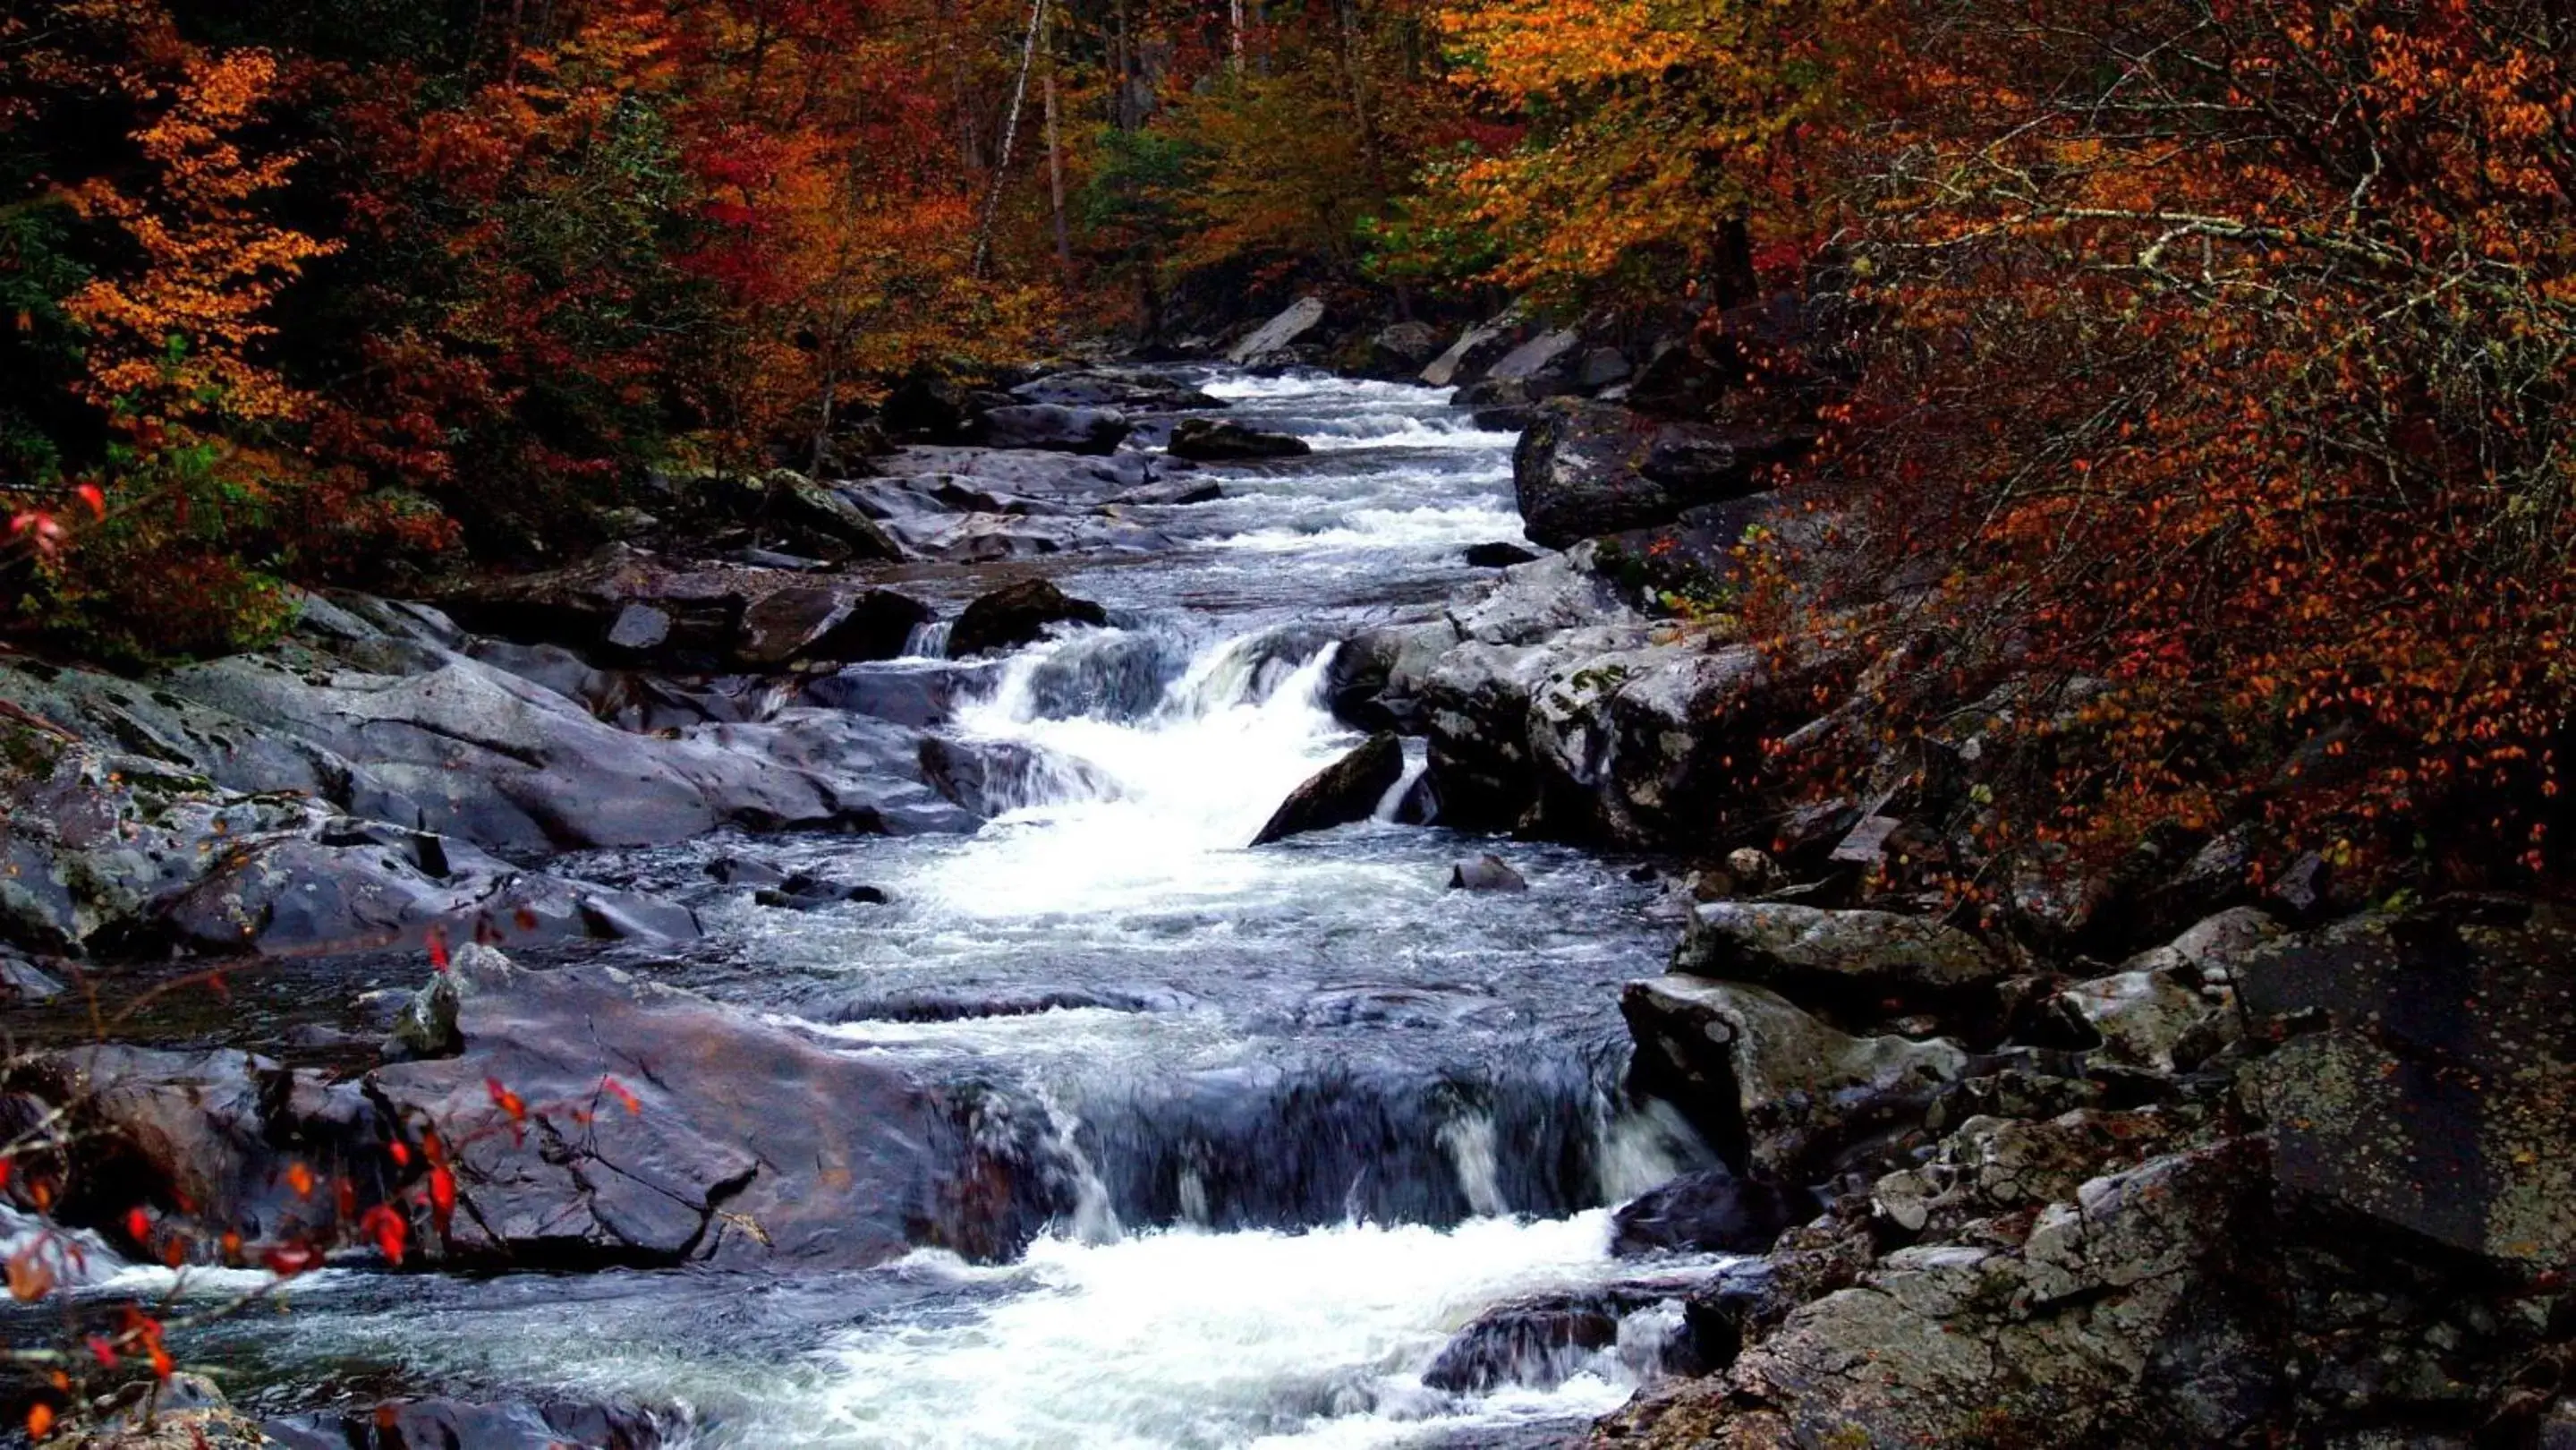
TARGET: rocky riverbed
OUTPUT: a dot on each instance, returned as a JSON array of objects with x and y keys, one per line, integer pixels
[{"x": 868, "y": 1020}]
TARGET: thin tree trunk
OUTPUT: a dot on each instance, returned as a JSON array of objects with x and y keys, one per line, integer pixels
[
  {"x": 1234, "y": 13},
  {"x": 1118, "y": 112},
  {"x": 1055, "y": 179},
  {"x": 1010, "y": 134}
]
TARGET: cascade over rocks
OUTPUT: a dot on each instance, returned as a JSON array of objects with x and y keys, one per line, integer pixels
[
  {"x": 1018, "y": 614},
  {"x": 1345, "y": 791}
]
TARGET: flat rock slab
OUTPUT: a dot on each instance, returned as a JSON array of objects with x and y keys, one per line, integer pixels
[
  {"x": 746, "y": 1143},
  {"x": 2429, "y": 1076}
]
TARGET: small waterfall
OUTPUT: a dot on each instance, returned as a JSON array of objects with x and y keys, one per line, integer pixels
[
  {"x": 929, "y": 641},
  {"x": 1196, "y": 742}
]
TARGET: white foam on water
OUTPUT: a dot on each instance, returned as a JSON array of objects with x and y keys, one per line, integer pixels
[
  {"x": 1442, "y": 529},
  {"x": 1139, "y": 815},
  {"x": 1188, "y": 1339}
]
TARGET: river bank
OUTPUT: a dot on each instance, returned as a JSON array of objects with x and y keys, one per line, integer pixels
[{"x": 991, "y": 1090}]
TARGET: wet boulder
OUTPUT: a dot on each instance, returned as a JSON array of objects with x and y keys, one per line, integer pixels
[
  {"x": 1873, "y": 959},
  {"x": 1585, "y": 469},
  {"x": 1773, "y": 1087},
  {"x": 649, "y": 1126},
  {"x": 471, "y": 753},
  {"x": 1641, "y": 1327},
  {"x": 1216, "y": 440},
  {"x": 804, "y": 891},
  {"x": 992, "y": 538},
  {"x": 1272, "y": 344},
  {"x": 1018, "y": 614},
  {"x": 1497, "y": 556},
  {"x": 1539, "y": 1345},
  {"x": 1487, "y": 872},
  {"x": 1374, "y": 678},
  {"x": 828, "y": 626},
  {"x": 210, "y": 1141},
  {"x": 1711, "y": 1211},
  {"x": 1168, "y": 493},
  {"x": 1348, "y": 790},
  {"x": 405, "y": 1424},
  {"x": 358, "y": 887},
  {"x": 636, "y": 609},
  {"x": 1053, "y": 428},
  {"x": 1064, "y": 478}
]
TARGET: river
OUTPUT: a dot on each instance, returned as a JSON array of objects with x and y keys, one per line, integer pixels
[{"x": 1320, "y": 1111}]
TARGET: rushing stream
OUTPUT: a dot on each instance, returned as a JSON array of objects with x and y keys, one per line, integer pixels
[{"x": 1317, "y": 1111}]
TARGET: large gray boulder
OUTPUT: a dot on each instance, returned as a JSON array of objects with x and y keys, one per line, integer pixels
[
  {"x": 1343, "y": 792},
  {"x": 1214, "y": 440},
  {"x": 1547, "y": 365},
  {"x": 631, "y": 607},
  {"x": 1777, "y": 1088},
  {"x": 1398, "y": 353},
  {"x": 1476, "y": 349},
  {"x": 1110, "y": 388},
  {"x": 1834, "y": 956},
  {"x": 359, "y": 886},
  {"x": 2428, "y": 1076},
  {"x": 1653, "y": 742},
  {"x": 1586, "y": 469},
  {"x": 1053, "y": 428},
  {"x": 745, "y": 1143},
  {"x": 1016, "y": 615},
  {"x": 2110, "y": 1324},
  {"x": 1269, "y": 344}
]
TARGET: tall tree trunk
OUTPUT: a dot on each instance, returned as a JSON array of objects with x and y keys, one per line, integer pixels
[
  {"x": 1010, "y": 134},
  {"x": 1118, "y": 109},
  {"x": 1055, "y": 179},
  {"x": 1355, "y": 74}
]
